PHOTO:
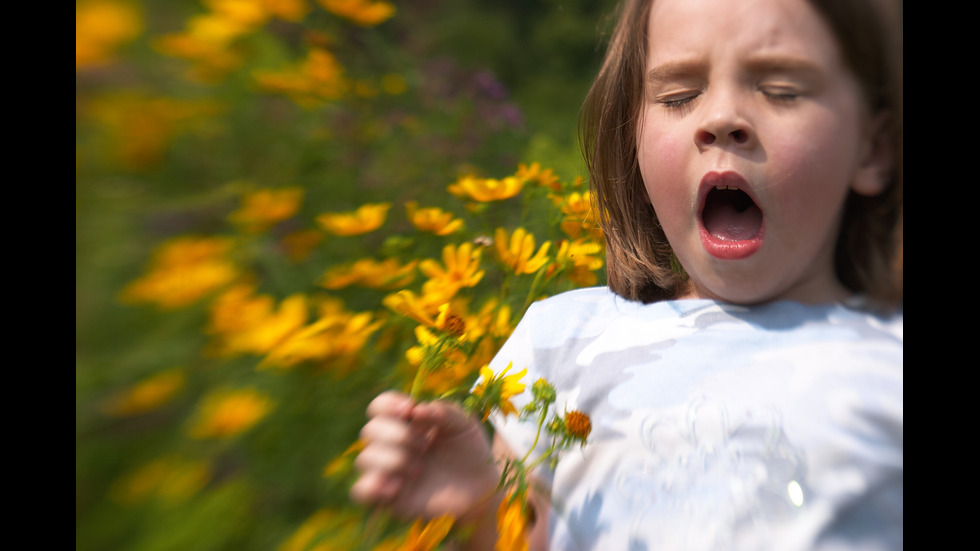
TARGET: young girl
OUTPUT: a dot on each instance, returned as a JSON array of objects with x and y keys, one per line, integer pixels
[{"x": 743, "y": 370}]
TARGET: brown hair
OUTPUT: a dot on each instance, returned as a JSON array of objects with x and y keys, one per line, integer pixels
[{"x": 639, "y": 261}]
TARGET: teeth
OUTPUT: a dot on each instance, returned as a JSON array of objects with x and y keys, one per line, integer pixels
[{"x": 723, "y": 187}]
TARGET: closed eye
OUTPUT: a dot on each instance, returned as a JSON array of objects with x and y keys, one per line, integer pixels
[
  {"x": 780, "y": 95},
  {"x": 676, "y": 101}
]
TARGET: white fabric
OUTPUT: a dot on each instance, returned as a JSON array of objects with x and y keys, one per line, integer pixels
[{"x": 717, "y": 427}]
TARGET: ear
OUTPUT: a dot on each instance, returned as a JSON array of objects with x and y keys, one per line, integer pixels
[{"x": 877, "y": 159}]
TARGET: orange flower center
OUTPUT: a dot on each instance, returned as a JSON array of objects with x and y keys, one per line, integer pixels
[{"x": 578, "y": 424}]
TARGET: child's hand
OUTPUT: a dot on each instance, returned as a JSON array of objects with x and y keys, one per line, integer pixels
[{"x": 424, "y": 459}]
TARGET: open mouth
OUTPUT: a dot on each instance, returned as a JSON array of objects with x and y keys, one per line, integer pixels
[{"x": 729, "y": 214}]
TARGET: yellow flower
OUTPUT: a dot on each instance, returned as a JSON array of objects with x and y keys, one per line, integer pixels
[
  {"x": 325, "y": 530},
  {"x": 460, "y": 268},
  {"x": 492, "y": 320},
  {"x": 147, "y": 394},
  {"x": 366, "y": 13},
  {"x": 320, "y": 77},
  {"x": 288, "y": 10},
  {"x": 182, "y": 271},
  {"x": 426, "y": 536},
  {"x": 337, "y": 334},
  {"x": 433, "y": 219},
  {"x": 446, "y": 366},
  {"x": 450, "y": 322},
  {"x": 244, "y": 323},
  {"x": 511, "y": 524},
  {"x": 581, "y": 259},
  {"x": 387, "y": 274},
  {"x": 579, "y": 216},
  {"x": 365, "y": 219},
  {"x": 422, "y": 309},
  {"x": 101, "y": 27},
  {"x": 263, "y": 208},
  {"x": 486, "y": 189},
  {"x": 545, "y": 178},
  {"x": 208, "y": 38},
  {"x": 495, "y": 390},
  {"x": 342, "y": 464},
  {"x": 516, "y": 252},
  {"x": 172, "y": 478},
  {"x": 140, "y": 128},
  {"x": 299, "y": 244},
  {"x": 226, "y": 413}
]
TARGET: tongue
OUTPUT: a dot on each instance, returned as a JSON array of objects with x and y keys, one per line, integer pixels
[{"x": 726, "y": 222}]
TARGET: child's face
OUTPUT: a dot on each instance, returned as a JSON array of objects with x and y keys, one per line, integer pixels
[{"x": 753, "y": 95}]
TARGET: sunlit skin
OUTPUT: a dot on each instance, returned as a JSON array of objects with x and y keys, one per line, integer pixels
[{"x": 755, "y": 94}]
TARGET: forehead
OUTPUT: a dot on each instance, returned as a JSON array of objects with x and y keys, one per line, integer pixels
[{"x": 684, "y": 28}]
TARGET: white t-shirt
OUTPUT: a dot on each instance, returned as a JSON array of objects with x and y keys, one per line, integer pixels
[{"x": 717, "y": 427}]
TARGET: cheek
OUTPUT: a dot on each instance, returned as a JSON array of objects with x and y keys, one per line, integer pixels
[{"x": 662, "y": 167}]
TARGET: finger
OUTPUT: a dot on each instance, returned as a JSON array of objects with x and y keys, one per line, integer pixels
[
  {"x": 376, "y": 488},
  {"x": 446, "y": 417},
  {"x": 390, "y": 432},
  {"x": 387, "y": 459},
  {"x": 391, "y": 404}
]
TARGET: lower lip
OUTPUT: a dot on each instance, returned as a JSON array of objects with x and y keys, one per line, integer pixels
[{"x": 730, "y": 250}]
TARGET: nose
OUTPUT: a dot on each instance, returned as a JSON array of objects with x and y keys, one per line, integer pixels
[{"x": 724, "y": 124}]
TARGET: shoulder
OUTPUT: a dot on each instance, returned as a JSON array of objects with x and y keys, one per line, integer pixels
[{"x": 575, "y": 312}]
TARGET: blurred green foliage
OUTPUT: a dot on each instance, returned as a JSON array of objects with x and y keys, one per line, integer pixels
[{"x": 167, "y": 145}]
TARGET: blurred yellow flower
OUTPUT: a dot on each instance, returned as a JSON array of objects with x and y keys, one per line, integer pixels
[
  {"x": 101, "y": 26},
  {"x": 337, "y": 333},
  {"x": 207, "y": 39},
  {"x": 183, "y": 270},
  {"x": 425, "y": 536},
  {"x": 493, "y": 319},
  {"x": 325, "y": 530},
  {"x": 245, "y": 323},
  {"x": 140, "y": 128},
  {"x": 580, "y": 259},
  {"x": 365, "y": 219},
  {"x": 263, "y": 208},
  {"x": 486, "y": 189},
  {"x": 460, "y": 268},
  {"x": 454, "y": 368},
  {"x": 247, "y": 13},
  {"x": 320, "y": 77},
  {"x": 148, "y": 394},
  {"x": 299, "y": 244},
  {"x": 226, "y": 413},
  {"x": 432, "y": 219},
  {"x": 420, "y": 308},
  {"x": 366, "y": 13},
  {"x": 533, "y": 172},
  {"x": 511, "y": 524},
  {"x": 579, "y": 216},
  {"x": 171, "y": 478},
  {"x": 495, "y": 390},
  {"x": 342, "y": 464},
  {"x": 386, "y": 274},
  {"x": 287, "y": 10},
  {"x": 516, "y": 251}
]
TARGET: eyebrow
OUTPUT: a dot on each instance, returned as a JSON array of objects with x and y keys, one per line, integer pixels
[
  {"x": 763, "y": 63},
  {"x": 787, "y": 63},
  {"x": 675, "y": 69}
]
